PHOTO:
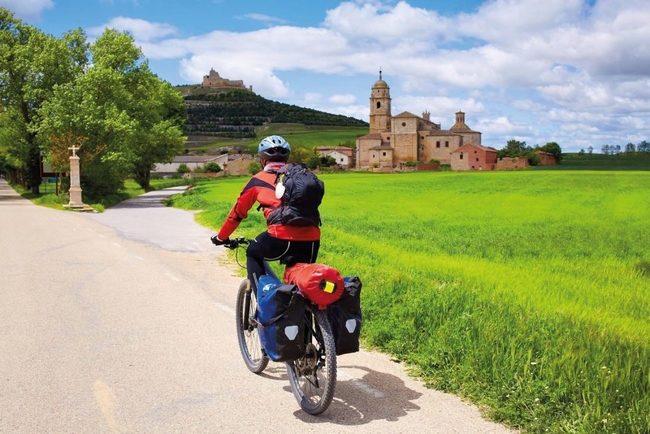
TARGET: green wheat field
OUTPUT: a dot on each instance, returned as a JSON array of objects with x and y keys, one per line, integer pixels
[{"x": 526, "y": 292}]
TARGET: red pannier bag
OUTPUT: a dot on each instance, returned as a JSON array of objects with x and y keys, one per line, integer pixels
[{"x": 319, "y": 283}]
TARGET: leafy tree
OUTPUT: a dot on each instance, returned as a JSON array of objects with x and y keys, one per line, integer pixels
[
  {"x": 131, "y": 118},
  {"x": 630, "y": 148},
  {"x": 590, "y": 150},
  {"x": 644, "y": 146},
  {"x": 514, "y": 148},
  {"x": 299, "y": 155},
  {"x": 32, "y": 64}
]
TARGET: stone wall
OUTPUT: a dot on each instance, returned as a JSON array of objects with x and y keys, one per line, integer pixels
[{"x": 511, "y": 163}]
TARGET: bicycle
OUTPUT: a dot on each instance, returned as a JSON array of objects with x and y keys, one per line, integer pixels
[{"x": 313, "y": 375}]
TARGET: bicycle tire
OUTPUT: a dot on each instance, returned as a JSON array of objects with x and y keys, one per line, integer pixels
[
  {"x": 313, "y": 376},
  {"x": 250, "y": 344}
]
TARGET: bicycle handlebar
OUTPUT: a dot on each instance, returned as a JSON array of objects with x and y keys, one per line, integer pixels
[{"x": 234, "y": 243}]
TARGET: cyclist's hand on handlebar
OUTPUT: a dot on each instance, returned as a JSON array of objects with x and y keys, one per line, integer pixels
[{"x": 218, "y": 241}]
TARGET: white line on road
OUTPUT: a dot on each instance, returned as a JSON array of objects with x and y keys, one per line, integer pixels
[
  {"x": 172, "y": 277},
  {"x": 225, "y": 308},
  {"x": 359, "y": 384}
]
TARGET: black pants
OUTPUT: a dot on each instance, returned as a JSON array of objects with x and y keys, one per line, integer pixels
[{"x": 266, "y": 247}]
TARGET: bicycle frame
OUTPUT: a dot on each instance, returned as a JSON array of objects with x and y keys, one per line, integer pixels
[{"x": 312, "y": 375}]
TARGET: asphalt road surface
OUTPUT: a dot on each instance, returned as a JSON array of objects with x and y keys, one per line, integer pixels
[{"x": 123, "y": 322}]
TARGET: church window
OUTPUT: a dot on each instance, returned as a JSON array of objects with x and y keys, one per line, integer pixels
[
  {"x": 461, "y": 155},
  {"x": 378, "y": 104},
  {"x": 477, "y": 159},
  {"x": 438, "y": 144},
  {"x": 384, "y": 154},
  {"x": 446, "y": 144},
  {"x": 403, "y": 124}
]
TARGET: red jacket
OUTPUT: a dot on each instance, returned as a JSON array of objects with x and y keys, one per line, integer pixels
[{"x": 261, "y": 188}]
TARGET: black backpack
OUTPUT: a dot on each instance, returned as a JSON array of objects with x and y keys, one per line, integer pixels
[{"x": 301, "y": 193}]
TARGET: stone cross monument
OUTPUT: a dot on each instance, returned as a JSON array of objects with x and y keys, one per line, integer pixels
[{"x": 75, "y": 183}]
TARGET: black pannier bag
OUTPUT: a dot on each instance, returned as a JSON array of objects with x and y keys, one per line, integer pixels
[
  {"x": 345, "y": 317},
  {"x": 281, "y": 316}
]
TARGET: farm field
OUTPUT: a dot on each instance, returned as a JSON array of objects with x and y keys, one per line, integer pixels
[{"x": 526, "y": 292}]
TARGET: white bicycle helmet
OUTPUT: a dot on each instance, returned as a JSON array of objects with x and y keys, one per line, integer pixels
[{"x": 274, "y": 148}]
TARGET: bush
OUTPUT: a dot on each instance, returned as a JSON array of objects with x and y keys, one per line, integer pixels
[
  {"x": 212, "y": 167},
  {"x": 183, "y": 168},
  {"x": 254, "y": 167}
]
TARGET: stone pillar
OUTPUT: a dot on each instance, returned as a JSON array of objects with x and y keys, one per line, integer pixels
[{"x": 75, "y": 182}]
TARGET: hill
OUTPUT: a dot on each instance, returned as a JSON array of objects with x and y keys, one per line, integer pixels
[{"x": 238, "y": 113}]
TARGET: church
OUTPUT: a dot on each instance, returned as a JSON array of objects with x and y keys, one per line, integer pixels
[{"x": 395, "y": 140}]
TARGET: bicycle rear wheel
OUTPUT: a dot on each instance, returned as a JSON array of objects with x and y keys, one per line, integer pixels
[
  {"x": 313, "y": 376},
  {"x": 247, "y": 332}
]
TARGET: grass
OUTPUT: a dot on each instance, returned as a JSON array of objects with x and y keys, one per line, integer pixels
[
  {"x": 526, "y": 292},
  {"x": 298, "y": 135}
]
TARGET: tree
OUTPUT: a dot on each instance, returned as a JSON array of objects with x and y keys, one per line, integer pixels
[
  {"x": 131, "y": 118},
  {"x": 299, "y": 155},
  {"x": 514, "y": 148},
  {"x": 32, "y": 64},
  {"x": 644, "y": 146},
  {"x": 630, "y": 148}
]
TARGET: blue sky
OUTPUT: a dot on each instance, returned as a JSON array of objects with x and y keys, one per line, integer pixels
[{"x": 576, "y": 72}]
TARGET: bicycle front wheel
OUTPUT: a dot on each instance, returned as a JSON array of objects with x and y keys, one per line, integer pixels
[
  {"x": 247, "y": 332},
  {"x": 313, "y": 376}
]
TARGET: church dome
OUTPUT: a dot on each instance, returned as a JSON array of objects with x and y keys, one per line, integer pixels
[{"x": 380, "y": 84}]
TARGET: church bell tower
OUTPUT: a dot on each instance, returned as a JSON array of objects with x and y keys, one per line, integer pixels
[{"x": 380, "y": 107}]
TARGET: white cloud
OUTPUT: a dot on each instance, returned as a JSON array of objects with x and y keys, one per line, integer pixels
[
  {"x": 27, "y": 9},
  {"x": 342, "y": 99},
  {"x": 142, "y": 31},
  {"x": 265, "y": 18}
]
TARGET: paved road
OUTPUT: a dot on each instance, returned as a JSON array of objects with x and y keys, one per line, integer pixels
[{"x": 123, "y": 322}]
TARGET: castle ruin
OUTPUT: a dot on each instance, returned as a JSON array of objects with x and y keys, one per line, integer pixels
[{"x": 215, "y": 81}]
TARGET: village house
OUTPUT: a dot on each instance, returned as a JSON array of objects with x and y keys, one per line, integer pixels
[
  {"x": 342, "y": 155},
  {"x": 393, "y": 140},
  {"x": 237, "y": 165},
  {"x": 473, "y": 157},
  {"x": 546, "y": 158}
]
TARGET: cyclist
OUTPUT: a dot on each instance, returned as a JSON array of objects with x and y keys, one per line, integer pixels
[{"x": 284, "y": 243}]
